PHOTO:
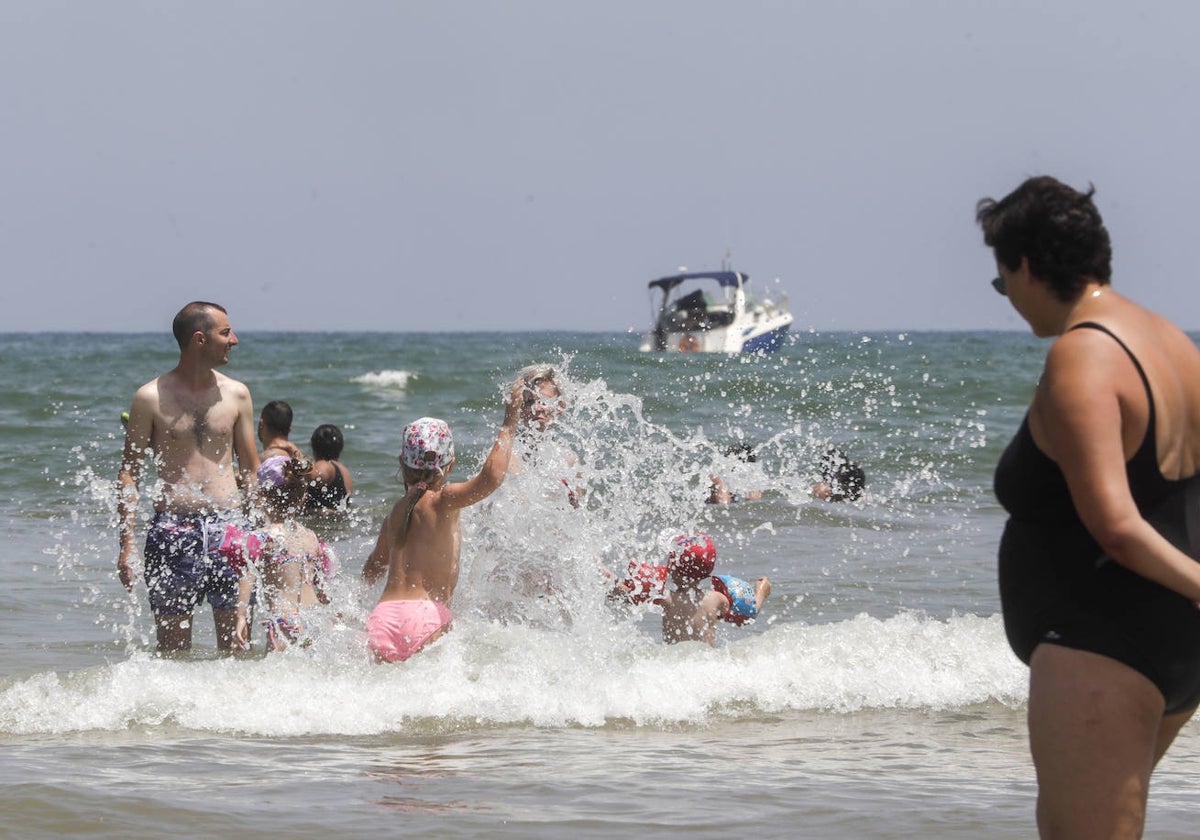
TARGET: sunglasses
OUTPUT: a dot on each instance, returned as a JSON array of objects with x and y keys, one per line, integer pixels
[{"x": 1000, "y": 286}]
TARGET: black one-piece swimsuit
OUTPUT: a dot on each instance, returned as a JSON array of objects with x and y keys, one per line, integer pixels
[{"x": 1058, "y": 587}]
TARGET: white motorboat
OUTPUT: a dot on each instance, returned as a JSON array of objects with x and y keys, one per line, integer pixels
[{"x": 714, "y": 312}]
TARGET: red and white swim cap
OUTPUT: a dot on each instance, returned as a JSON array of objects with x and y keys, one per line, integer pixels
[{"x": 692, "y": 556}]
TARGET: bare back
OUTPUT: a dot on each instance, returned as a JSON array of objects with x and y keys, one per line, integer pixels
[
  {"x": 1171, "y": 362},
  {"x": 690, "y": 615},
  {"x": 289, "y": 560},
  {"x": 421, "y": 558},
  {"x": 424, "y": 562}
]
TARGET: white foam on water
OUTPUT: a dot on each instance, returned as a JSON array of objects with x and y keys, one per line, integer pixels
[
  {"x": 387, "y": 380},
  {"x": 494, "y": 674}
]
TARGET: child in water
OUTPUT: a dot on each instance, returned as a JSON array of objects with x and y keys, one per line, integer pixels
[
  {"x": 288, "y": 557},
  {"x": 691, "y": 613},
  {"x": 419, "y": 541}
]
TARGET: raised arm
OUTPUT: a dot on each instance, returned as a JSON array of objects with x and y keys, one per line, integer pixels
[{"x": 491, "y": 475}]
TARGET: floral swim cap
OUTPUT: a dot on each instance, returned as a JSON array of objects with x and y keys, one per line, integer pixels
[{"x": 427, "y": 445}]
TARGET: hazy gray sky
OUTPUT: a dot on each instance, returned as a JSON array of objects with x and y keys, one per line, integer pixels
[{"x": 532, "y": 165}]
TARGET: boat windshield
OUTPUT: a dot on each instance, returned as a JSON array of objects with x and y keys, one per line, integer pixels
[
  {"x": 697, "y": 294},
  {"x": 698, "y": 305}
]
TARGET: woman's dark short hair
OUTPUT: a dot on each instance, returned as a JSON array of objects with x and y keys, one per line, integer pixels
[
  {"x": 1057, "y": 228},
  {"x": 327, "y": 442}
]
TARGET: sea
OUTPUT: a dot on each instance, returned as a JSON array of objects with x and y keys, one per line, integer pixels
[{"x": 875, "y": 695}]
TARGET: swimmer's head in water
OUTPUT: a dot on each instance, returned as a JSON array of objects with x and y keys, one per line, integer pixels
[
  {"x": 327, "y": 442},
  {"x": 692, "y": 556},
  {"x": 427, "y": 445},
  {"x": 741, "y": 451},
  {"x": 845, "y": 479},
  {"x": 276, "y": 417}
]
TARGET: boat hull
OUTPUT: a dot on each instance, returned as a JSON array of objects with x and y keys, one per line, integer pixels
[
  {"x": 767, "y": 342},
  {"x": 757, "y": 339}
]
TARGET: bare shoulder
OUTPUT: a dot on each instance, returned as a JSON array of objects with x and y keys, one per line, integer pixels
[
  {"x": 1072, "y": 344},
  {"x": 399, "y": 512},
  {"x": 231, "y": 386},
  {"x": 1178, "y": 344},
  {"x": 147, "y": 403},
  {"x": 457, "y": 495},
  {"x": 1090, "y": 391},
  {"x": 716, "y": 601},
  {"x": 325, "y": 470},
  {"x": 152, "y": 385},
  {"x": 1082, "y": 358},
  {"x": 147, "y": 393}
]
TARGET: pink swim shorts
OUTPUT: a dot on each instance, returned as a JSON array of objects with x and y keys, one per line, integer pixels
[{"x": 398, "y": 629}]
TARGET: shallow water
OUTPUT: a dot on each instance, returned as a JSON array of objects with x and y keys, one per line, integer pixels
[{"x": 876, "y": 696}]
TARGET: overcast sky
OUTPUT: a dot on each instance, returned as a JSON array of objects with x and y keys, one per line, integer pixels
[{"x": 532, "y": 165}]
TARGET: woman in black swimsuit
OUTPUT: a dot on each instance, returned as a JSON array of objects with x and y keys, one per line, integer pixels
[
  {"x": 1098, "y": 578},
  {"x": 332, "y": 484}
]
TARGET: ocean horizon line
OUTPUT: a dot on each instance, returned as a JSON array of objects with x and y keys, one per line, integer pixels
[{"x": 623, "y": 332}]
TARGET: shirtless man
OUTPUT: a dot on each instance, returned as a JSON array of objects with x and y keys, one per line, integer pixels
[{"x": 194, "y": 421}]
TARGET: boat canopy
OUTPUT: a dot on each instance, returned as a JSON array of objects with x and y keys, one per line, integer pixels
[{"x": 725, "y": 278}]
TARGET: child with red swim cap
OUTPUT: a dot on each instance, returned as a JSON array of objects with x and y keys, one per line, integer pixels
[{"x": 691, "y": 613}]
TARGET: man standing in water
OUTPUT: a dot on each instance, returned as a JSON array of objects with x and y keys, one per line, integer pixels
[{"x": 194, "y": 421}]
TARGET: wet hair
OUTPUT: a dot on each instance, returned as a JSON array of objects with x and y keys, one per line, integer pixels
[
  {"x": 1056, "y": 228},
  {"x": 196, "y": 316},
  {"x": 845, "y": 478},
  {"x": 277, "y": 416},
  {"x": 416, "y": 483},
  {"x": 535, "y": 375},
  {"x": 287, "y": 499},
  {"x": 741, "y": 451},
  {"x": 327, "y": 442}
]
